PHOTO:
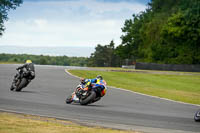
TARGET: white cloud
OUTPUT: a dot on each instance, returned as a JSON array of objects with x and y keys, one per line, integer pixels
[
  {"x": 72, "y": 23},
  {"x": 41, "y": 23}
]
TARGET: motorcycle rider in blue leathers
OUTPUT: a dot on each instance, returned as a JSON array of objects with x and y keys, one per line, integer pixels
[{"x": 92, "y": 83}]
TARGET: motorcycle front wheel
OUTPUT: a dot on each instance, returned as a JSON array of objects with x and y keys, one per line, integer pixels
[
  {"x": 197, "y": 116},
  {"x": 12, "y": 88},
  {"x": 69, "y": 100},
  {"x": 88, "y": 99}
]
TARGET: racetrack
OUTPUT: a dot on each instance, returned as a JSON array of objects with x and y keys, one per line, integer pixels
[{"x": 119, "y": 109}]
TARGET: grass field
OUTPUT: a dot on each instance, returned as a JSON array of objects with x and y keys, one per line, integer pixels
[
  {"x": 175, "y": 86},
  {"x": 16, "y": 123}
]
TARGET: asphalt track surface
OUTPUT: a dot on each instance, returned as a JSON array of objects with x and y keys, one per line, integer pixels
[{"x": 119, "y": 109}]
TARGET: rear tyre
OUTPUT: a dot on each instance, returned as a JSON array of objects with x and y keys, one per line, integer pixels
[
  {"x": 197, "y": 116},
  {"x": 88, "y": 99},
  {"x": 23, "y": 83}
]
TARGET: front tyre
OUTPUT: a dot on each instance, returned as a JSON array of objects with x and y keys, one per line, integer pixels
[
  {"x": 69, "y": 100},
  {"x": 197, "y": 116},
  {"x": 88, "y": 99},
  {"x": 12, "y": 87}
]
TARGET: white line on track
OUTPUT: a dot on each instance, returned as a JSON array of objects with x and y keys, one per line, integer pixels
[{"x": 66, "y": 70}]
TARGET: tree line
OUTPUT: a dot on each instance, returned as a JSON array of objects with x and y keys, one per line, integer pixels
[
  {"x": 45, "y": 60},
  {"x": 168, "y": 32}
]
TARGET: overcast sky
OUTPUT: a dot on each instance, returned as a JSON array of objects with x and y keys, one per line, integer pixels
[{"x": 69, "y": 22}]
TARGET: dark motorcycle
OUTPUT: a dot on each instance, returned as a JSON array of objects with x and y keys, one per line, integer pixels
[
  {"x": 21, "y": 79},
  {"x": 87, "y": 95},
  {"x": 197, "y": 116}
]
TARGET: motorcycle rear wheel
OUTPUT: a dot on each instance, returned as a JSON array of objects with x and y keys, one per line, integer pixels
[
  {"x": 23, "y": 83},
  {"x": 88, "y": 99}
]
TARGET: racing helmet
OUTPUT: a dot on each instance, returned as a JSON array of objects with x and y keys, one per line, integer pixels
[
  {"x": 82, "y": 80},
  {"x": 99, "y": 77},
  {"x": 28, "y": 61}
]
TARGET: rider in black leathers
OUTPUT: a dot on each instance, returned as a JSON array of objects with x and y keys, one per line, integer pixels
[{"x": 29, "y": 72}]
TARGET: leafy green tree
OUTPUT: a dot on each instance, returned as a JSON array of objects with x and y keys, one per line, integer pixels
[
  {"x": 131, "y": 38},
  {"x": 5, "y": 6},
  {"x": 98, "y": 57},
  {"x": 167, "y": 32},
  {"x": 181, "y": 35},
  {"x": 104, "y": 56}
]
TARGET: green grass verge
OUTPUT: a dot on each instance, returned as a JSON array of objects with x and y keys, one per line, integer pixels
[
  {"x": 185, "y": 88},
  {"x": 16, "y": 123},
  {"x": 119, "y": 69}
]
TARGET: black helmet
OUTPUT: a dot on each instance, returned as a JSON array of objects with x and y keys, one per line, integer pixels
[{"x": 99, "y": 77}]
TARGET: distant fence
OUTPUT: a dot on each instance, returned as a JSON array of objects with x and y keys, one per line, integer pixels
[
  {"x": 167, "y": 67},
  {"x": 128, "y": 66}
]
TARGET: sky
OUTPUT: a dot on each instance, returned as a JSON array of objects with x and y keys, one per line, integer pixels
[{"x": 76, "y": 23}]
